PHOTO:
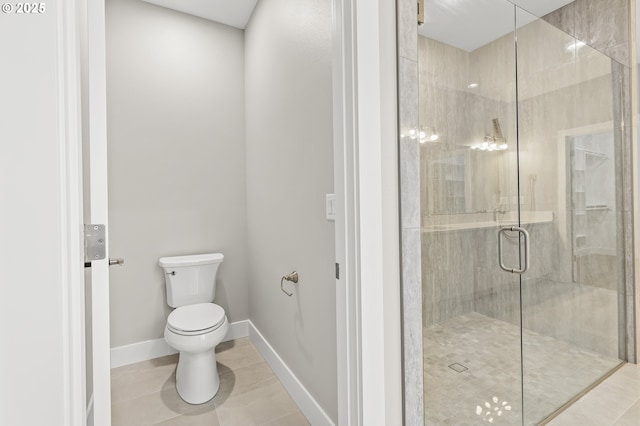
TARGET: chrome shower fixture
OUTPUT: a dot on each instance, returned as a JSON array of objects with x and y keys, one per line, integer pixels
[
  {"x": 495, "y": 142},
  {"x": 497, "y": 130}
]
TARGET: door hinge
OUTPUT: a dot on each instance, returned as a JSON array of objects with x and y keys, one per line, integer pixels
[
  {"x": 420, "y": 12},
  {"x": 337, "y": 271},
  {"x": 95, "y": 247}
]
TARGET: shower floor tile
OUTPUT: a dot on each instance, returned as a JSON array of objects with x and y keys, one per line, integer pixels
[
  {"x": 489, "y": 391},
  {"x": 250, "y": 394}
]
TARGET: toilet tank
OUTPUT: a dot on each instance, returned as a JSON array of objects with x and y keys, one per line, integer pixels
[{"x": 190, "y": 279}]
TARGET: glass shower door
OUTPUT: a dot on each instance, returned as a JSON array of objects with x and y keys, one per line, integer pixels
[
  {"x": 520, "y": 146},
  {"x": 570, "y": 163},
  {"x": 469, "y": 190}
]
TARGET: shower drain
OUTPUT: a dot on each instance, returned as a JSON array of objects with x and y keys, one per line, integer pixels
[{"x": 458, "y": 367}]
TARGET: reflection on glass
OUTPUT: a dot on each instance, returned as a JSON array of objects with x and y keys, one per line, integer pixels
[{"x": 490, "y": 411}]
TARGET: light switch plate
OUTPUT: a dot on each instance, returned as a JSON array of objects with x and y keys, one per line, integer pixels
[{"x": 330, "y": 200}]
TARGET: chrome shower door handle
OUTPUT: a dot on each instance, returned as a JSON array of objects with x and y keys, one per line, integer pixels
[{"x": 527, "y": 249}]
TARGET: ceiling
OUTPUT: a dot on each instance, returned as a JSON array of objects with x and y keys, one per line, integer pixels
[
  {"x": 466, "y": 24},
  {"x": 470, "y": 24},
  {"x": 235, "y": 13}
]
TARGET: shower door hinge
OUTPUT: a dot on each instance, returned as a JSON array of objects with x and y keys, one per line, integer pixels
[
  {"x": 95, "y": 247},
  {"x": 337, "y": 271},
  {"x": 420, "y": 12}
]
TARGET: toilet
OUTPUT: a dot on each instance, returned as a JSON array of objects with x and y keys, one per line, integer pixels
[{"x": 196, "y": 326}]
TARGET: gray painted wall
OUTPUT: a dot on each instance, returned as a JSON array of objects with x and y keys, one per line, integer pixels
[
  {"x": 184, "y": 179},
  {"x": 176, "y": 159},
  {"x": 289, "y": 171}
]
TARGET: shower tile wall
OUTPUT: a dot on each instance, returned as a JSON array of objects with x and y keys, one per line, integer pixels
[
  {"x": 460, "y": 115},
  {"x": 602, "y": 24},
  {"x": 410, "y": 212},
  {"x": 554, "y": 88},
  {"x": 591, "y": 21}
]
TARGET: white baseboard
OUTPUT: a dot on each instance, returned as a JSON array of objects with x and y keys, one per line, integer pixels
[
  {"x": 141, "y": 351},
  {"x": 307, "y": 404},
  {"x": 89, "y": 419},
  {"x": 149, "y": 349},
  {"x": 237, "y": 330}
]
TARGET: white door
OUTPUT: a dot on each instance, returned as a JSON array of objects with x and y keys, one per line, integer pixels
[
  {"x": 94, "y": 95},
  {"x": 40, "y": 217}
]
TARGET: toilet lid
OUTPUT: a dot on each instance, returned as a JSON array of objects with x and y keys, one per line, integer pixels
[{"x": 202, "y": 316}]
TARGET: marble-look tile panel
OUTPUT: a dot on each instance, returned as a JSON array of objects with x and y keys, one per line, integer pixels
[
  {"x": 577, "y": 314},
  {"x": 598, "y": 270},
  {"x": 563, "y": 18},
  {"x": 630, "y": 329},
  {"x": 409, "y": 145},
  {"x": 408, "y": 94},
  {"x": 604, "y": 25},
  {"x": 447, "y": 283},
  {"x": 408, "y": 84},
  {"x": 628, "y": 253},
  {"x": 624, "y": 87},
  {"x": 461, "y": 274},
  {"x": 412, "y": 327},
  {"x": 407, "y": 29}
]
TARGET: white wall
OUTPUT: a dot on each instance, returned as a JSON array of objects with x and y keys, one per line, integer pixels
[
  {"x": 176, "y": 159},
  {"x": 289, "y": 171},
  {"x": 378, "y": 213}
]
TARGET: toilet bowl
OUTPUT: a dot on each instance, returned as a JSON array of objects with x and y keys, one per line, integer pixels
[
  {"x": 195, "y": 331},
  {"x": 196, "y": 326}
]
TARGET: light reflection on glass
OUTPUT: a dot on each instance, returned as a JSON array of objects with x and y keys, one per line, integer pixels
[{"x": 493, "y": 409}]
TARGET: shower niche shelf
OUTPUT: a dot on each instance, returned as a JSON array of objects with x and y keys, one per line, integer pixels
[{"x": 597, "y": 209}]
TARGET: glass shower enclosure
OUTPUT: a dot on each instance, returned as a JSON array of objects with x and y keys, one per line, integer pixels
[{"x": 522, "y": 212}]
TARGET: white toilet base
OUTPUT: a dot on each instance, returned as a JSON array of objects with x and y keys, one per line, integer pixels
[{"x": 197, "y": 379}]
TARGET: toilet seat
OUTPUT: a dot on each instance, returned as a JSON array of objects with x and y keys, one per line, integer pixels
[{"x": 196, "y": 319}]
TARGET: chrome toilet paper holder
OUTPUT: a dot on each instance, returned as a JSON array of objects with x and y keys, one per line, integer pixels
[{"x": 293, "y": 277}]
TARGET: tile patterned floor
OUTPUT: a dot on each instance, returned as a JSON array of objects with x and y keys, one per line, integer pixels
[
  {"x": 615, "y": 402},
  {"x": 250, "y": 394},
  {"x": 489, "y": 390}
]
